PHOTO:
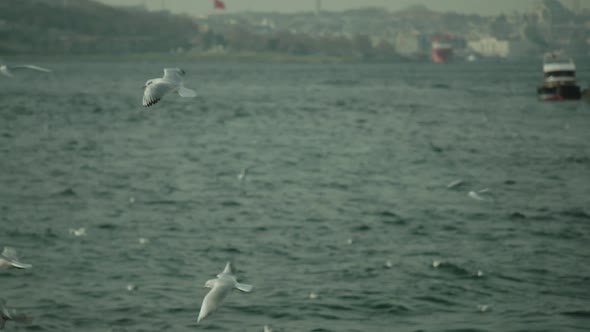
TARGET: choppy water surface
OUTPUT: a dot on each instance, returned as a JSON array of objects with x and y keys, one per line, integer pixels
[{"x": 349, "y": 170}]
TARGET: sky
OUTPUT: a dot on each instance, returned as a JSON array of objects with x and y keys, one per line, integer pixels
[{"x": 205, "y": 7}]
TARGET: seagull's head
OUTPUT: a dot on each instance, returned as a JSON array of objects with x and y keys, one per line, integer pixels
[
  {"x": 210, "y": 283},
  {"x": 147, "y": 83}
]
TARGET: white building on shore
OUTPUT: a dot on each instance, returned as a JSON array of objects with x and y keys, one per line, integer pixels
[{"x": 493, "y": 47}]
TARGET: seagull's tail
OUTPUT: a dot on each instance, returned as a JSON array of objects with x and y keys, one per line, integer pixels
[
  {"x": 244, "y": 287},
  {"x": 186, "y": 93}
]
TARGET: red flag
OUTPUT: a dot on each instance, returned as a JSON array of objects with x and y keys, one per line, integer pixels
[{"x": 218, "y": 4}]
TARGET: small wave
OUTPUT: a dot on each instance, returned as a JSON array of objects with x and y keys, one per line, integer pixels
[
  {"x": 452, "y": 268},
  {"x": 390, "y": 218},
  {"x": 578, "y": 159},
  {"x": 107, "y": 226},
  {"x": 577, "y": 313},
  {"x": 231, "y": 203},
  {"x": 161, "y": 202},
  {"x": 361, "y": 228},
  {"x": 467, "y": 329},
  {"x": 341, "y": 82},
  {"x": 390, "y": 307},
  {"x": 67, "y": 192},
  {"x": 576, "y": 213},
  {"x": 437, "y": 300},
  {"x": 338, "y": 307},
  {"x": 440, "y": 86},
  {"x": 517, "y": 215},
  {"x": 232, "y": 250}
]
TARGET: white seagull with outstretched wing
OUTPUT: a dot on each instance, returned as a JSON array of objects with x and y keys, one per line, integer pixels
[
  {"x": 220, "y": 288},
  {"x": 9, "y": 260},
  {"x": 6, "y": 70},
  {"x": 156, "y": 88}
]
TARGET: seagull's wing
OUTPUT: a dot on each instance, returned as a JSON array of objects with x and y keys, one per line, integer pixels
[
  {"x": 244, "y": 287},
  {"x": 213, "y": 299},
  {"x": 3, "y": 310},
  {"x": 475, "y": 196},
  {"x": 186, "y": 93},
  {"x": 228, "y": 270},
  {"x": 9, "y": 253},
  {"x": 4, "y": 70},
  {"x": 156, "y": 91},
  {"x": 173, "y": 74},
  {"x": 20, "y": 265},
  {"x": 33, "y": 67}
]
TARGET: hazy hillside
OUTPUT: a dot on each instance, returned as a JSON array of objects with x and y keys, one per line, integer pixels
[{"x": 84, "y": 26}]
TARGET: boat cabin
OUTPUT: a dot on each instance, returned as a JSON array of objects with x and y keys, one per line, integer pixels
[{"x": 558, "y": 70}]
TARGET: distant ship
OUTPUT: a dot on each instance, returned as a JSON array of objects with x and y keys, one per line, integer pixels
[
  {"x": 559, "y": 78},
  {"x": 441, "y": 51}
]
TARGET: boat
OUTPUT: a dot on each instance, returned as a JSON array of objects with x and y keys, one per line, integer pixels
[
  {"x": 441, "y": 50},
  {"x": 559, "y": 78}
]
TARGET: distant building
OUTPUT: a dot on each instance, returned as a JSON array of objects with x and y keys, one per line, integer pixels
[
  {"x": 574, "y": 5},
  {"x": 410, "y": 43},
  {"x": 492, "y": 47}
]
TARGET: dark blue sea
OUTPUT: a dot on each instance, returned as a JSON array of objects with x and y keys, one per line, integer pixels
[{"x": 346, "y": 198}]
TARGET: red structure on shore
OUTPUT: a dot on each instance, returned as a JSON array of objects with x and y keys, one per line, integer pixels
[
  {"x": 441, "y": 50},
  {"x": 218, "y": 4}
]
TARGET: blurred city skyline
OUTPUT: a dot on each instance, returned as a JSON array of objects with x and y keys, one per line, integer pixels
[{"x": 205, "y": 7}]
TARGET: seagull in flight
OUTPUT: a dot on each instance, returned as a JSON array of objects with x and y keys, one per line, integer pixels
[
  {"x": 6, "y": 70},
  {"x": 242, "y": 175},
  {"x": 220, "y": 288},
  {"x": 9, "y": 260},
  {"x": 7, "y": 314},
  {"x": 156, "y": 88}
]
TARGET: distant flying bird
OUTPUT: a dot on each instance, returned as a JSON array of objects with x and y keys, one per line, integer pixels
[
  {"x": 218, "y": 4},
  {"x": 9, "y": 260},
  {"x": 220, "y": 288},
  {"x": 156, "y": 88},
  {"x": 7, "y": 70},
  {"x": 455, "y": 184},
  {"x": 78, "y": 232},
  {"x": 242, "y": 175},
  {"x": 483, "y": 307},
  {"x": 11, "y": 314},
  {"x": 476, "y": 194}
]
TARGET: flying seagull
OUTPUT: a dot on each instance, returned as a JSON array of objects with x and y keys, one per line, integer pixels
[
  {"x": 156, "y": 88},
  {"x": 220, "y": 288},
  {"x": 11, "y": 314},
  {"x": 9, "y": 260},
  {"x": 7, "y": 70},
  {"x": 242, "y": 175}
]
